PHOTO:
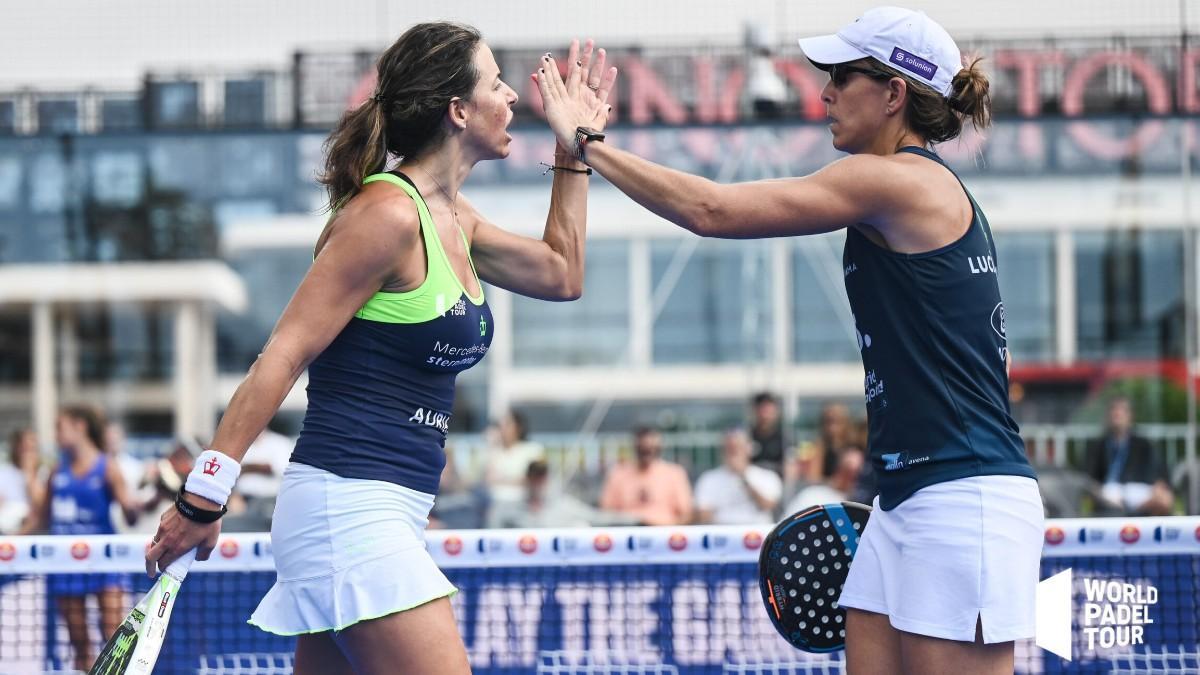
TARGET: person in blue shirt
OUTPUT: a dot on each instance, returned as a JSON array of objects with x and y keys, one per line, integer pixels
[
  {"x": 78, "y": 500},
  {"x": 389, "y": 314},
  {"x": 945, "y": 575}
]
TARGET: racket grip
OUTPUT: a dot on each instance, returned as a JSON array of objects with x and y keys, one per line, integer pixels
[{"x": 179, "y": 569}]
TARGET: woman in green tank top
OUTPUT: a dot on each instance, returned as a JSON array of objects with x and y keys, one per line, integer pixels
[{"x": 439, "y": 107}]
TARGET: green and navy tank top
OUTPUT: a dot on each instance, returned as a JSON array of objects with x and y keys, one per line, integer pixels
[
  {"x": 931, "y": 331},
  {"x": 381, "y": 394}
]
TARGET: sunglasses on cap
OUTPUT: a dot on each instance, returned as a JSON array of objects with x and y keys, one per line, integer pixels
[{"x": 839, "y": 73}]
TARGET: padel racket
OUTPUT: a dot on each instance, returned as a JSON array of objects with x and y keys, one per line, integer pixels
[
  {"x": 802, "y": 567},
  {"x": 134, "y": 648}
]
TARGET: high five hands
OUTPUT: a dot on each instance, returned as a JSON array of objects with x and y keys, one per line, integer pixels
[{"x": 581, "y": 100}]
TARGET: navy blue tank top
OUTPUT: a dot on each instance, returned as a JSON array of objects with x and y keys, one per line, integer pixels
[
  {"x": 381, "y": 394},
  {"x": 931, "y": 331}
]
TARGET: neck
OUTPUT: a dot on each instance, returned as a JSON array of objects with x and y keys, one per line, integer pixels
[
  {"x": 892, "y": 138},
  {"x": 443, "y": 171},
  {"x": 83, "y": 453}
]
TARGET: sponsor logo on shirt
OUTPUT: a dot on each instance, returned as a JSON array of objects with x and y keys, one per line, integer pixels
[
  {"x": 998, "y": 321},
  {"x": 897, "y": 461},
  {"x": 429, "y": 418}
]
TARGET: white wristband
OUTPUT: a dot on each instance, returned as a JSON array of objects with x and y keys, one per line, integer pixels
[{"x": 213, "y": 476}]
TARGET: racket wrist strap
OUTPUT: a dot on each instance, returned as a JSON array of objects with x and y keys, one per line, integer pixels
[{"x": 213, "y": 476}]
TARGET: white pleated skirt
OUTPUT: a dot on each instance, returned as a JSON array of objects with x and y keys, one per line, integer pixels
[{"x": 346, "y": 550}]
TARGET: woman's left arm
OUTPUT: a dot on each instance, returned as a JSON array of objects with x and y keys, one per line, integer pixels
[
  {"x": 855, "y": 189},
  {"x": 120, "y": 491},
  {"x": 551, "y": 268}
]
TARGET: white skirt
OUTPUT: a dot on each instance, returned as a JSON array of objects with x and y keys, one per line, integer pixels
[
  {"x": 346, "y": 550},
  {"x": 953, "y": 553}
]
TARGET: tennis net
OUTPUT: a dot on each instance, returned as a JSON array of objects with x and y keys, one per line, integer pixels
[{"x": 618, "y": 601}]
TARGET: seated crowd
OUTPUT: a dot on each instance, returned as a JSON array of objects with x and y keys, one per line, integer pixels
[{"x": 762, "y": 476}]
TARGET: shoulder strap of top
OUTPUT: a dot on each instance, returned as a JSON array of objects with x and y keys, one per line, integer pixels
[{"x": 411, "y": 190}]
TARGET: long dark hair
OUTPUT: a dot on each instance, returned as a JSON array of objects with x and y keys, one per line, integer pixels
[
  {"x": 418, "y": 76},
  {"x": 92, "y": 418}
]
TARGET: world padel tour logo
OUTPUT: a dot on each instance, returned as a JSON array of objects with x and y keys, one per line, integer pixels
[
  {"x": 1055, "y": 535},
  {"x": 229, "y": 548},
  {"x": 80, "y": 550},
  {"x": 677, "y": 541},
  {"x": 1115, "y": 613},
  {"x": 602, "y": 543},
  {"x": 528, "y": 544},
  {"x": 8, "y": 551},
  {"x": 452, "y": 545},
  {"x": 1130, "y": 534},
  {"x": 752, "y": 540}
]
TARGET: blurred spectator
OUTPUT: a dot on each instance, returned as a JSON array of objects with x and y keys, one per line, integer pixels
[
  {"x": 766, "y": 430},
  {"x": 77, "y": 501},
  {"x": 263, "y": 466},
  {"x": 737, "y": 492},
  {"x": 253, "y": 500},
  {"x": 764, "y": 86},
  {"x": 133, "y": 470},
  {"x": 507, "y": 462},
  {"x": 841, "y": 486},
  {"x": 1132, "y": 472},
  {"x": 817, "y": 460},
  {"x": 164, "y": 479},
  {"x": 865, "y": 489},
  {"x": 653, "y": 491},
  {"x": 546, "y": 505},
  {"x": 20, "y": 485},
  {"x": 458, "y": 505}
]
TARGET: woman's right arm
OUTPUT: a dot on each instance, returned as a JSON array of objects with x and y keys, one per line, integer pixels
[
  {"x": 360, "y": 255},
  {"x": 358, "y": 258}
]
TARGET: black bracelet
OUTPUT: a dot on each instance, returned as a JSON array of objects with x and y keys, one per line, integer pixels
[
  {"x": 195, "y": 513},
  {"x": 551, "y": 167}
]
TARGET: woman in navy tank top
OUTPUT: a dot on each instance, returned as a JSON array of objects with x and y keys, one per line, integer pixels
[
  {"x": 945, "y": 575},
  {"x": 80, "y": 493},
  {"x": 391, "y": 311}
]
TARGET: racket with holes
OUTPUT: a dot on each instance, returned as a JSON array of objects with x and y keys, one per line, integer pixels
[{"x": 802, "y": 567}]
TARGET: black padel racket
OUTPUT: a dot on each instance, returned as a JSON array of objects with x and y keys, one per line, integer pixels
[{"x": 802, "y": 568}]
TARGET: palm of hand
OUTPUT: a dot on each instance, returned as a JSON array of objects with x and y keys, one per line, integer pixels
[{"x": 581, "y": 100}]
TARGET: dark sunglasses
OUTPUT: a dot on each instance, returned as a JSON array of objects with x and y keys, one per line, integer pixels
[{"x": 839, "y": 74}]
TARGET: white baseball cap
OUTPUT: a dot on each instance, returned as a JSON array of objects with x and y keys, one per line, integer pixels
[{"x": 904, "y": 40}]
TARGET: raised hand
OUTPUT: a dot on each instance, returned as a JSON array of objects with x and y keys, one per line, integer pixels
[{"x": 581, "y": 100}]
